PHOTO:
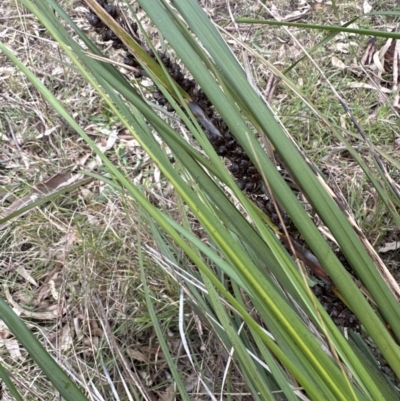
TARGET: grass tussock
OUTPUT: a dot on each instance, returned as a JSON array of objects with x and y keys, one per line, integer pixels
[{"x": 72, "y": 268}]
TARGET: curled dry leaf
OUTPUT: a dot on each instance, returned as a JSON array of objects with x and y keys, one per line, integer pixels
[
  {"x": 386, "y": 60},
  {"x": 112, "y": 137},
  {"x": 368, "y": 56},
  {"x": 26, "y": 275}
]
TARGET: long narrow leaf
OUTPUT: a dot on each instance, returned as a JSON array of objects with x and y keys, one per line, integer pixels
[{"x": 65, "y": 386}]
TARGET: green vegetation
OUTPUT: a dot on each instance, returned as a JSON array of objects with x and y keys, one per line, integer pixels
[{"x": 138, "y": 278}]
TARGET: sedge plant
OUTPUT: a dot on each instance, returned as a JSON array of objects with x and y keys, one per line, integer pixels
[{"x": 292, "y": 349}]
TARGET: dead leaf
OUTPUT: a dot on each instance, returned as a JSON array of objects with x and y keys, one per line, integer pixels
[
  {"x": 49, "y": 315},
  {"x": 47, "y": 132},
  {"x": 56, "y": 182},
  {"x": 367, "y": 58},
  {"x": 366, "y": 7},
  {"x": 390, "y": 246},
  {"x": 6, "y": 72},
  {"x": 66, "y": 338},
  {"x": 296, "y": 15},
  {"x": 61, "y": 248},
  {"x": 13, "y": 348},
  {"x": 26, "y": 275},
  {"x": 344, "y": 47},
  {"x": 380, "y": 56},
  {"x": 343, "y": 121},
  {"x": 137, "y": 355},
  {"x": 54, "y": 290},
  {"x": 57, "y": 71},
  {"x": 4, "y": 333},
  {"x": 368, "y": 86},
  {"x": 169, "y": 394},
  {"x": 78, "y": 327},
  {"x": 274, "y": 11},
  {"x": 191, "y": 382},
  {"x": 16, "y": 205},
  {"x": 45, "y": 288},
  {"x": 112, "y": 137},
  {"x": 338, "y": 63}
]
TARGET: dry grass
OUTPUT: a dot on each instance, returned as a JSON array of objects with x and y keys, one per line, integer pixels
[{"x": 71, "y": 267}]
